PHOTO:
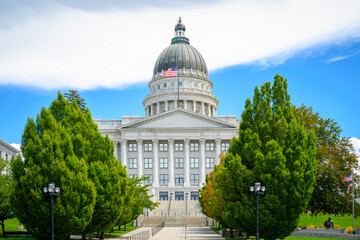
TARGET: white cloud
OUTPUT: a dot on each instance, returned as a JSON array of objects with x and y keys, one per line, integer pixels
[
  {"x": 335, "y": 59},
  {"x": 356, "y": 143},
  {"x": 74, "y": 48}
]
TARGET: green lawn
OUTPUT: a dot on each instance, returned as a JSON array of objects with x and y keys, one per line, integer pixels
[
  {"x": 12, "y": 224},
  {"x": 343, "y": 221}
]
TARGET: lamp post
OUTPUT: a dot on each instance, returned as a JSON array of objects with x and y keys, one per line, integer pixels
[
  {"x": 258, "y": 191},
  {"x": 186, "y": 198},
  {"x": 52, "y": 192}
]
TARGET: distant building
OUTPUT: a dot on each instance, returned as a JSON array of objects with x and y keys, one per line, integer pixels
[
  {"x": 180, "y": 138},
  {"x": 7, "y": 151}
]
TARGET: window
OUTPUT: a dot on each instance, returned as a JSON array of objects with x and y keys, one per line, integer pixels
[
  {"x": 132, "y": 147},
  {"x": 179, "y": 147},
  {"x": 194, "y": 163},
  {"x": 172, "y": 84},
  {"x": 163, "y": 147},
  {"x": 210, "y": 146},
  {"x": 194, "y": 178},
  {"x": 179, "y": 180},
  {"x": 132, "y": 163},
  {"x": 188, "y": 84},
  {"x": 149, "y": 180},
  {"x": 202, "y": 86},
  {"x": 195, "y": 84},
  {"x": 165, "y": 85},
  {"x": 132, "y": 175},
  {"x": 194, "y": 195},
  {"x": 179, "y": 163},
  {"x": 194, "y": 147},
  {"x": 163, "y": 163},
  {"x": 6, "y": 156},
  {"x": 163, "y": 196},
  {"x": 179, "y": 196},
  {"x": 148, "y": 163},
  {"x": 159, "y": 86},
  {"x": 225, "y": 146},
  {"x": 163, "y": 179},
  {"x": 147, "y": 147},
  {"x": 209, "y": 162},
  {"x": 180, "y": 84},
  {"x": 1, "y": 154}
]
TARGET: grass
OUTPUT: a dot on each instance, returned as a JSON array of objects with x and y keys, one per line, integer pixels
[
  {"x": 343, "y": 221},
  {"x": 12, "y": 224}
]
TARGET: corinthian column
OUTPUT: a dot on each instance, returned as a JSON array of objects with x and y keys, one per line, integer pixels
[
  {"x": 116, "y": 150},
  {"x": 187, "y": 162},
  {"x": 123, "y": 152},
  {"x": 171, "y": 162},
  {"x": 218, "y": 150},
  {"x": 155, "y": 163},
  {"x": 140, "y": 157},
  {"x": 202, "y": 161}
]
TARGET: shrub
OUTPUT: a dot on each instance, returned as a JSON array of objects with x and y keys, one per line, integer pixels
[
  {"x": 337, "y": 226},
  {"x": 349, "y": 230},
  {"x": 302, "y": 226}
]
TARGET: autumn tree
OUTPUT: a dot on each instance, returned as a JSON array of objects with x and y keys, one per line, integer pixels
[
  {"x": 274, "y": 149},
  {"x": 335, "y": 158}
]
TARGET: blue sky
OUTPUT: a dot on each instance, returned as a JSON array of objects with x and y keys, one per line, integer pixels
[{"x": 107, "y": 51}]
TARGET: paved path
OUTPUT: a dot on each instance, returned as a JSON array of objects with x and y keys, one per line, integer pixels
[{"x": 192, "y": 233}]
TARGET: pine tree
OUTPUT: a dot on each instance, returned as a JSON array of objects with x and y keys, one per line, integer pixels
[
  {"x": 108, "y": 175},
  {"x": 5, "y": 184},
  {"x": 275, "y": 150},
  {"x": 49, "y": 157},
  {"x": 74, "y": 96}
]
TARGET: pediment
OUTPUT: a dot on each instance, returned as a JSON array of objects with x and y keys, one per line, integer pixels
[{"x": 178, "y": 118}]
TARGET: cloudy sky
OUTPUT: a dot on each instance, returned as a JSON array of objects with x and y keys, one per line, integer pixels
[{"x": 107, "y": 50}]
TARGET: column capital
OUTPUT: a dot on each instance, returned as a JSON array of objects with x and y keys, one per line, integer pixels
[
  {"x": 218, "y": 140},
  {"x": 187, "y": 140},
  {"x": 155, "y": 140},
  {"x": 123, "y": 141},
  {"x": 139, "y": 140},
  {"x": 171, "y": 140},
  {"x": 202, "y": 140}
]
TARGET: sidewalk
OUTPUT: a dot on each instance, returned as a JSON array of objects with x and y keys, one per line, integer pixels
[{"x": 192, "y": 233}]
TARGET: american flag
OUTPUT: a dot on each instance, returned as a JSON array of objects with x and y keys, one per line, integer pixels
[
  {"x": 348, "y": 188},
  {"x": 347, "y": 179},
  {"x": 171, "y": 72}
]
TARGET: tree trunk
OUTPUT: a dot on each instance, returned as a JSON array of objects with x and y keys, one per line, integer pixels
[
  {"x": 231, "y": 233},
  {"x": 101, "y": 236},
  {"x": 83, "y": 237},
  {"x": 119, "y": 227},
  {"x": 67, "y": 237},
  {"x": 3, "y": 228}
]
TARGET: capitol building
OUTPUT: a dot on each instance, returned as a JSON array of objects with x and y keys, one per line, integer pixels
[{"x": 179, "y": 140}]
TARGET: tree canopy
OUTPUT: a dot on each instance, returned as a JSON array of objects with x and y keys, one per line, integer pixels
[
  {"x": 335, "y": 158},
  {"x": 5, "y": 184},
  {"x": 275, "y": 150},
  {"x": 74, "y": 96},
  {"x": 49, "y": 157}
]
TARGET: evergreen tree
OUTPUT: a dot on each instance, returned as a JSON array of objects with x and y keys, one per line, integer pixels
[
  {"x": 108, "y": 175},
  {"x": 5, "y": 183},
  {"x": 335, "y": 158},
  {"x": 274, "y": 149},
  {"x": 49, "y": 157},
  {"x": 74, "y": 96}
]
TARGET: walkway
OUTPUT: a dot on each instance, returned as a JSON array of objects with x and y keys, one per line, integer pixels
[{"x": 192, "y": 233}]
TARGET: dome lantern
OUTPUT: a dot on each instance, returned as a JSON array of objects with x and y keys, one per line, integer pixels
[{"x": 179, "y": 35}]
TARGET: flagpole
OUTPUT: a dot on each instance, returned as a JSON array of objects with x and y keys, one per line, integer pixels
[
  {"x": 353, "y": 200},
  {"x": 178, "y": 97}
]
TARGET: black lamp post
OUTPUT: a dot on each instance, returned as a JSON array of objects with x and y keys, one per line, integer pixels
[
  {"x": 52, "y": 192},
  {"x": 257, "y": 190},
  {"x": 186, "y": 198}
]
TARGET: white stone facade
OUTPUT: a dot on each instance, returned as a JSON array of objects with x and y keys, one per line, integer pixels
[
  {"x": 179, "y": 140},
  {"x": 7, "y": 151}
]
